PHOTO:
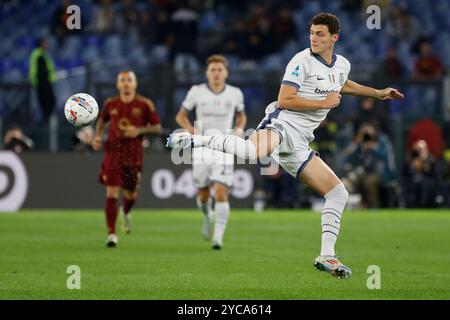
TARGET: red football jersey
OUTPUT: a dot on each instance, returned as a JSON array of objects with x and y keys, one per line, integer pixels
[{"x": 139, "y": 112}]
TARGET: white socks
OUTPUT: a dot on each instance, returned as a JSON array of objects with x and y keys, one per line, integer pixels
[
  {"x": 335, "y": 201},
  {"x": 204, "y": 207},
  {"x": 244, "y": 149},
  {"x": 222, "y": 210}
]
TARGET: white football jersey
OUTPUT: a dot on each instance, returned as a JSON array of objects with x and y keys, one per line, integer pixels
[
  {"x": 214, "y": 112},
  {"x": 314, "y": 80}
]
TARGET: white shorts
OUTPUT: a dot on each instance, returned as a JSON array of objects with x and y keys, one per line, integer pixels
[
  {"x": 293, "y": 153},
  {"x": 210, "y": 166}
]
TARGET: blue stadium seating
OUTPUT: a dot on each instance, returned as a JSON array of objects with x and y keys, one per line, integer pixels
[{"x": 356, "y": 42}]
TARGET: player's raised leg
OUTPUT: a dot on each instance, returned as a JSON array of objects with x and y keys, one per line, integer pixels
[
  {"x": 322, "y": 179},
  {"x": 111, "y": 209},
  {"x": 222, "y": 211},
  {"x": 260, "y": 144},
  {"x": 205, "y": 207}
]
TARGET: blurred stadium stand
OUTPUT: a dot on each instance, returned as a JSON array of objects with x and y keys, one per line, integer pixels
[{"x": 142, "y": 37}]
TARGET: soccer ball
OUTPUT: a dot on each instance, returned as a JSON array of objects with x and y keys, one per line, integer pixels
[{"x": 81, "y": 109}]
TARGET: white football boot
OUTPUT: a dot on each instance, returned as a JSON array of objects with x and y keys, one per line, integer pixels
[
  {"x": 333, "y": 266},
  {"x": 179, "y": 140},
  {"x": 112, "y": 240}
]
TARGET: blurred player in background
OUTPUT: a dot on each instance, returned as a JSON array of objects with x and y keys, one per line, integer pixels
[
  {"x": 216, "y": 104},
  {"x": 312, "y": 85},
  {"x": 130, "y": 117}
]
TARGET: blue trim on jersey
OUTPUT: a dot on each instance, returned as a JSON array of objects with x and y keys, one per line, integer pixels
[
  {"x": 272, "y": 115},
  {"x": 302, "y": 167},
  {"x": 322, "y": 60},
  {"x": 290, "y": 83}
]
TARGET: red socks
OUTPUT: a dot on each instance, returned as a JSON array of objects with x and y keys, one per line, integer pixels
[
  {"x": 127, "y": 204},
  {"x": 111, "y": 214}
]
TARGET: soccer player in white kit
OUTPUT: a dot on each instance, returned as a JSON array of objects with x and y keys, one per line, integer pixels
[
  {"x": 312, "y": 84},
  {"x": 216, "y": 105}
]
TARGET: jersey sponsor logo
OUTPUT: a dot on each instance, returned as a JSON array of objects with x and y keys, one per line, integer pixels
[
  {"x": 323, "y": 92},
  {"x": 295, "y": 72}
]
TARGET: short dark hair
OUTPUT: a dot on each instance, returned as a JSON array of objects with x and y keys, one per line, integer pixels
[
  {"x": 216, "y": 58},
  {"x": 329, "y": 20}
]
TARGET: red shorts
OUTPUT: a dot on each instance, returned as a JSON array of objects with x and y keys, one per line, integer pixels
[{"x": 127, "y": 177}]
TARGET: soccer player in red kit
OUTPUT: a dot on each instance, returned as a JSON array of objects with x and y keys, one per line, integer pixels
[{"x": 130, "y": 117}]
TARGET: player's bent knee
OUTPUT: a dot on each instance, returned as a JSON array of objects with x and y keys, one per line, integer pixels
[{"x": 338, "y": 193}]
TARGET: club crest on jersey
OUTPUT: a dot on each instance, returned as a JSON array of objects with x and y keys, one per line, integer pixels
[
  {"x": 341, "y": 79},
  {"x": 331, "y": 78},
  {"x": 295, "y": 72},
  {"x": 114, "y": 112}
]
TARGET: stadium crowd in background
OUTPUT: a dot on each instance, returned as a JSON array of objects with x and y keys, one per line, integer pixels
[{"x": 184, "y": 32}]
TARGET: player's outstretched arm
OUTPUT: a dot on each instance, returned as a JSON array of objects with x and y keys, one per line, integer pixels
[
  {"x": 182, "y": 119},
  {"x": 353, "y": 88},
  {"x": 288, "y": 99}
]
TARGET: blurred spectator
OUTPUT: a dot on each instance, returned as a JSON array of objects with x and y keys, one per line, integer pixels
[
  {"x": 42, "y": 75},
  {"x": 284, "y": 27},
  {"x": 129, "y": 18},
  {"x": 258, "y": 10},
  {"x": 184, "y": 34},
  {"x": 370, "y": 112},
  {"x": 431, "y": 132},
  {"x": 236, "y": 40},
  {"x": 391, "y": 65},
  {"x": 104, "y": 20},
  {"x": 16, "y": 141},
  {"x": 402, "y": 26},
  {"x": 421, "y": 177},
  {"x": 162, "y": 31},
  {"x": 352, "y": 5},
  {"x": 428, "y": 66},
  {"x": 82, "y": 141},
  {"x": 59, "y": 22},
  {"x": 370, "y": 165},
  {"x": 267, "y": 42}
]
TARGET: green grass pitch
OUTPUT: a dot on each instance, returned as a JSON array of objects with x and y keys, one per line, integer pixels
[{"x": 266, "y": 256}]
